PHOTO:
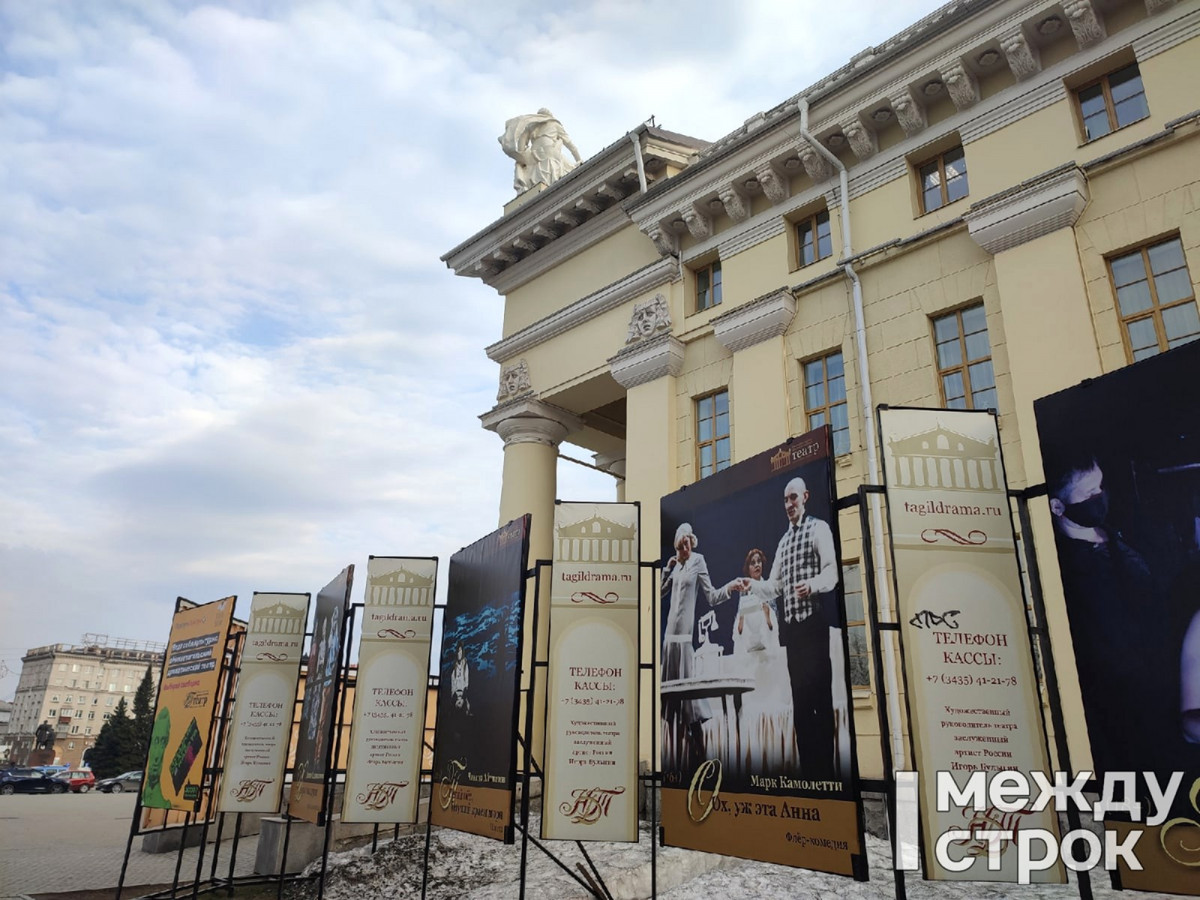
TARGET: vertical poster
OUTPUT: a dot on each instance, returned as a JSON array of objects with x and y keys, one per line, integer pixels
[
  {"x": 318, "y": 716},
  {"x": 265, "y": 704},
  {"x": 475, "y": 747},
  {"x": 1121, "y": 455},
  {"x": 383, "y": 775},
  {"x": 758, "y": 754},
  {"x": 591, "y": 758},
  {"x": 968, "y": 662},
  {"x": 187, "y": 698}
]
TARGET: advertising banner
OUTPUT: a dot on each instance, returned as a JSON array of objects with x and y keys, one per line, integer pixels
[
  {"x": 318, "y": 717},
  {"x": 591, "y": 755},
  {"x": 187, "y": 698},
  {"x": 1122, "y": 463},
  {"x": 758, "y": 755},
  {"x": 968, "y": 662},
  {"x": 383, "y": 775},
  {"x": 264, "y": 707},
  {"x": 475, "y": 746}
]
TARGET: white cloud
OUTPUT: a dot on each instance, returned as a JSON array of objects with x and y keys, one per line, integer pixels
[{"x": 233, "y": 360}]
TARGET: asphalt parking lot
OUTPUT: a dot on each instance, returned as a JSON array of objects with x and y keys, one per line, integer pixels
[{"x": 73, "y": 842}]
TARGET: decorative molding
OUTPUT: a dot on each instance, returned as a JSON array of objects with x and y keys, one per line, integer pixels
[
  {"x": 530, "y": 421},
  {"x": 1155, "y": 6},
  {"x": 649, "y": 318},
  {"x": 1167, "y": 35},
  {"x": 816, "y": 165},
  {"x": 658, "y": 273},
  {"x": 735, "y": 204},
  {"x": 514, "y": 382},
  {"x": 612, "y": 463},
  {"x": 1086, "y": 24},
  {"x": 863, "y": 140},
  {"x": 776, "y": 186},
  {"x": 762, "y": 227},
  {"x": 664, "y": 242},
  {"x": 766, "y": 317},
  {"x": 698, "y": 223},
  {"x": 1030, "y": 210},
  {"x": 961, "y": 84},
  {"x": 1018, "y": 106},
  {"x": 1023, "y": 57},
  {"x": 574, "y": 241},
  {"x": 909, "y": 113},
  {"x": 647, "y": 360}
]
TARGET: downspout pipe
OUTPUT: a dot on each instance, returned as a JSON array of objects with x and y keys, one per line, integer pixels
[
  {"x": 868, "y": 414},
  {"x": 636, "y": 138}
]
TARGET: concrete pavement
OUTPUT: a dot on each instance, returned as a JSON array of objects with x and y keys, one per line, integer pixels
[{"x": 75, "y": 842}]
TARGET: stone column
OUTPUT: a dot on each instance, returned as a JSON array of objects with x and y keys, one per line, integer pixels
[
  {"x": 1052, "y": 344},
  {"x": 759, "y": 405},
  {"x": 614, "y": 465},
  {"x": 647, "y": 370},
  {"x": 532, "y": 431}
]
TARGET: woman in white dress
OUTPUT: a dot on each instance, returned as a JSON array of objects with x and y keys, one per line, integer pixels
[{"x": 757, "y": 626}]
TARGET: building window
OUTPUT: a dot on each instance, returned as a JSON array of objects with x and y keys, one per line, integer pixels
[
  {"x": 74, "y": 667},
  {"x": 70, "y": 745},
  {"x": 52, "y": 712},
  {"x": 943, "y": 179},
  {"x": 1155, "y": 297},
  {"x": 856, "y": 626},
  {"x": 712, "y": 433},
  {"x": 74, "y": 729},
  {"x": 110, "y": 703},
  {"x": 1112, "y": 102},
  {"x": 112, "y": 686},
  {"x": 91, "y": 714},
  {"x": 708, "y": 286},
  {"x": 825, "y": 398},
  {"x": 88, "y": 730},
  {"x": 813, "y": 240},
  {"x": 964, "y": 359}
]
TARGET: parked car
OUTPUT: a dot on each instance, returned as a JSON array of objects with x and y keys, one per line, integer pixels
[
  {"x": 126, "y": 781},
  {"x": 29, "y": 781},
  {"x": 79, "y": 781}
]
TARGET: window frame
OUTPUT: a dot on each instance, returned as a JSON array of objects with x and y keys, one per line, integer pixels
[
  {"x": 1110, "y": 107},
  {"x": 712, "y": 442},
  {"x": 812, "y": 221},
  {"x": 940, "y": 159},
  {"x": 1154, "y": 313},
  {"x": 964, "y": 366},
  {"x": 823, "y": 359},
  {"x": 714, "y": 291},
  {"x": 855, "y": 623}
]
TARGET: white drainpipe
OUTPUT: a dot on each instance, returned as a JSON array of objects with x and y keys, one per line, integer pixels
[
  {"x": 637, "y": 153},
  {"x": 868, "y": 414}
]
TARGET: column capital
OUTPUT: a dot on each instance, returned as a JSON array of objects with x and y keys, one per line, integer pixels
[
  {"x": 1031, "y": 210},
  {"x": 530, "y": 421},
  {"x": 647, "y": 360},
  {"x": 752, "y": 323},
  {"x": 612, "y": 463}
]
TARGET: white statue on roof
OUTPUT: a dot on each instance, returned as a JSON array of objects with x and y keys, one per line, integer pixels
[{"x": 536, "y": 142}]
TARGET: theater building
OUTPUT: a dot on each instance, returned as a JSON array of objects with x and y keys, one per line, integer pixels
[{"x": 944, "y": 221}]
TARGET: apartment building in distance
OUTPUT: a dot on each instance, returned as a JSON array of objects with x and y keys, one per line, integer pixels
[
  {"x": 995, "y": 204},
  {"x": 75, "y": 688}
]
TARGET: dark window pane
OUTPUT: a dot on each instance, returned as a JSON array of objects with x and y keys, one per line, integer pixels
[
  {"x": 817, "y": 419},
  {"x": 833, "y": 364},
  {"x": 824, "y": 246},
  {"x": 1134, "y": 299},
  {"x": 1166, "y": 256},
  {"x": 723, "y": 452},
  {"x": 813, "y": 372},
  {"x": 949, "y": 354},
  {"x": 1172, "y": 286},
  {"x": 722, "y": 402},
  {"x": 1124, "y": 83},
  {"x": 716, "y": 273},
  {"x": 806, "y": 244},
  {"x": 1128, "y": 269},
  {"x": 716, "y": 294},
  {"x": 933, "y": 199},
  {"x": 956, "y": 188},
  {"x": 706, "y": 460},
  {"x": 814, "y": 396},
  {"x": 1142, "y": 338},
  {"x": 984, "y": 399},
  {"x": 974, "y": 318},
  {"x": 837, "y": 389},
  {"x": 857, "y": 636},
  {"x": 981, "y": 375},
  {"x": 839, "y": 416},
  {"x": 977, "y": 346},
  {"x": 841, "y": 442},
  {"x": 1096, "y": 126},
  {"x": 945, "y": 327},
  {"x": 704, "y": 430},
  {"x": 722, "y": 426},
  {"x": 952, "y": 385},
  {"x": 1132, "y": 110},
  {"x": 704, "y": 407},
  {"x": 1181, "y": 323}
]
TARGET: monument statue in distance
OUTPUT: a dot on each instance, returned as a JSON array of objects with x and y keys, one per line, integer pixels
[{"x": 537, "y": 142}]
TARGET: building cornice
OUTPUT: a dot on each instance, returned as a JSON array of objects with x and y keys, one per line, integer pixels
[
  {"x": 647, "y": 360},
  {"x": 1030, "y": 210},
  {"x": 575, "y": 241},
  {"x": 754, "y": 322},
  {"x": 659, "y": 272}
]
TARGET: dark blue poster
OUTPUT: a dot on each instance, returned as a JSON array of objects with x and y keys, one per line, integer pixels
[{"x": 475, "y": 759}]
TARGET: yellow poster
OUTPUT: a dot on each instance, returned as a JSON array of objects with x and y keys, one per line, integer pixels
[
  {"x": 592, "y": 706},
  {"x": 383, "y": 777},
  {"x": 256, "y": 750},
  {"x": 972, "y": 691},
  {"x": 187, "y": 697}
]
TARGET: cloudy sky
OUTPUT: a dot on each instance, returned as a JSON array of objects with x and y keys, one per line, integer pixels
[{"x": 231, "y": 358}]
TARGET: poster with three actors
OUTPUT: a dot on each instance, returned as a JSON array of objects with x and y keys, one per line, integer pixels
[{"x": 757, "y": 740}]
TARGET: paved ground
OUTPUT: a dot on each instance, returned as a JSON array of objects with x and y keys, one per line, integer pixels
[{"x": 73, "y": 842}]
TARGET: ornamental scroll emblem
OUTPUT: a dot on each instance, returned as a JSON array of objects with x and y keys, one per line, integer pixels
[
  {"x": 514, "y": 381},
  {"x": 649, "y": 318}
]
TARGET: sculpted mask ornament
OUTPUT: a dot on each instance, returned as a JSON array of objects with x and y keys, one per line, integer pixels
[
  {"x": 649, "y": 319},
  {"x": 536, "y": 142},
  {"x": 514, "y": 381}
]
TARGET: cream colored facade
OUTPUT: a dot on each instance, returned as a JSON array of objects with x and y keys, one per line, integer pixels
[{"x": 1045, "y": 210}]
